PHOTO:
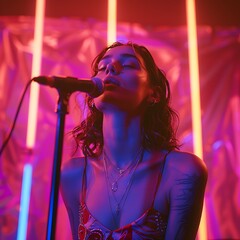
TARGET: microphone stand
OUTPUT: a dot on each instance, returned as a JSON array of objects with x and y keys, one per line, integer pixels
[{"x": 62, "y": 110}]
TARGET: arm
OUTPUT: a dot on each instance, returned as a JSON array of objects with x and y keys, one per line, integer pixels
[
  {"x": 186, "y": 197},
  {"x": 70, "y": 187}
]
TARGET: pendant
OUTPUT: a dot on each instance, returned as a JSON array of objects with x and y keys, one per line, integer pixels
[
  {"x": 120, "y": 171},
  {"x": 114, "y": 186}
]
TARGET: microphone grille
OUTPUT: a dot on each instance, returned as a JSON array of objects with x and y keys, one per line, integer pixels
[{"x": 98, "y": 90}]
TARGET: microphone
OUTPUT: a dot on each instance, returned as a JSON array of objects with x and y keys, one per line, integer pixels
[{"x": 93, "y": 87}]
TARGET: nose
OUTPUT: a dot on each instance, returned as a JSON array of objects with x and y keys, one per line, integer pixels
[{"x": 113, "y": 68}]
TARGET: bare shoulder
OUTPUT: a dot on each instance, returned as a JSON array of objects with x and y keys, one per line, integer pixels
[
  {"x": 72, "y": 167},
  {"x": 186, "y": 163}
]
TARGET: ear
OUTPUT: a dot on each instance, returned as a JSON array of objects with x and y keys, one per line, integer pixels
[{"x": 154, "y": 95}]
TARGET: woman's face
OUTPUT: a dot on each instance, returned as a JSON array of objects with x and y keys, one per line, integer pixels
[{"x": 126, "y": 84}]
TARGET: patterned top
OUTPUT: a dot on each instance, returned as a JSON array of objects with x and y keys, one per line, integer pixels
[{"x": 151, "y": 225}]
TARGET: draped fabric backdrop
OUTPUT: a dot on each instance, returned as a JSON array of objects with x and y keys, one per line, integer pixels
[{"x": 68, "y": 49}]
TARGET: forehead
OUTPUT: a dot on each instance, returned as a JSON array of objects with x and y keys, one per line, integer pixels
[
  {"x": 122, "y": 52},
  {"x": 120, "y": 49}
]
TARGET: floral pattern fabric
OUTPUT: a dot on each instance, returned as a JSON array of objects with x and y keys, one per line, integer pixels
[{"x": 151, "y": 225}]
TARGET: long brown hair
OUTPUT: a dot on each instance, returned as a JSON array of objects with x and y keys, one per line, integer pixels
[{"x": 157, "y": 124}]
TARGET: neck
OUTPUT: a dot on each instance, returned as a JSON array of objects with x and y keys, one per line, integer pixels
[{"x": 122, "y": 138}]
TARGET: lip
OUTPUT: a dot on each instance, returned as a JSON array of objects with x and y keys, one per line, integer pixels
[
  {"x": 110, "y": 87},
  {"x": 111, "y": 81}
]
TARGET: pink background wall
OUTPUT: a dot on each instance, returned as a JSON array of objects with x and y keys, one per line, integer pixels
[{"x": 68, "y": 49}]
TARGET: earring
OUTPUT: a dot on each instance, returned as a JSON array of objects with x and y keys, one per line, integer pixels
[
  {"x": 91, "y": 104},
  {"x": 153, "y": 102}
]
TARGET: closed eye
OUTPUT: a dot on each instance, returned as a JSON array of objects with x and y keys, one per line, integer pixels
[
  {"x": 128, "y": 66},
  {"x": 101, "y": 69}
]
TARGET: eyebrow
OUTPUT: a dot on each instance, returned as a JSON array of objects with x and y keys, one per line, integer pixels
[{"x": 124, "y": 55}]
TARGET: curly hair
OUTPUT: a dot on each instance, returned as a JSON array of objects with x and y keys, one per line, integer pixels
[{"x": 158, "y": 121}]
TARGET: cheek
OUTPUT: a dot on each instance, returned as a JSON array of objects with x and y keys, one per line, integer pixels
[
  {"x": 135, "y": 82},
  {"x": 141, "y": 86}
]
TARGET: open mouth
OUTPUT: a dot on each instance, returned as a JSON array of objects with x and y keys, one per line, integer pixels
[
  {"x": 111, "y": 81},
  {"x": 110, "y": 86}
]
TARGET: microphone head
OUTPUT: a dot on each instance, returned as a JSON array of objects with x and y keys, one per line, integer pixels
[{"x": 98, "y": 89}]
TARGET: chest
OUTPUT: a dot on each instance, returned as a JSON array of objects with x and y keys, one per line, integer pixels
[{"x": 118, "y": 201}]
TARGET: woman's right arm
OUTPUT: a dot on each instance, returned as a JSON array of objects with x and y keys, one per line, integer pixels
[{"x": 70, "y": 188}]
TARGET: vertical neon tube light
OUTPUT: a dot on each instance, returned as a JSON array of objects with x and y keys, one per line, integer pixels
[
  {"x": 112, "y": 21},
  {"x": 195, "y": 96},
  {"x": 24, "y": 204},
  {"x": 36, "y": 69},
  {"x": 32, "y": 120}
]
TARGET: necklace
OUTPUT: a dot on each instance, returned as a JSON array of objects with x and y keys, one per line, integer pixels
[
  {"x": 120, "y": 203},
  {"x": 119, "y": 171}
]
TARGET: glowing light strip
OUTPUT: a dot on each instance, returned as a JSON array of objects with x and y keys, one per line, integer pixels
[
  {"x": 24, "y": 202},
  {"x": 194, "y": 78},
  {"x": 195, "y": 96},
  {"x": 36, "y": 69},
  {"x": 32, "y": 119},
  {"x": 112, "y": 21}
]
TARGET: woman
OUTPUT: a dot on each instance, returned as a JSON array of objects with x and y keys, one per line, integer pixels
[{"x": 133, "y": 182}]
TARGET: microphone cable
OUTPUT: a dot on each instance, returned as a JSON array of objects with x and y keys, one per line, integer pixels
[{"x": 5, "y": 142}]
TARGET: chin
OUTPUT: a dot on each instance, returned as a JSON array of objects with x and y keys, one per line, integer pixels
[{"x": 116, "y": 101}]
